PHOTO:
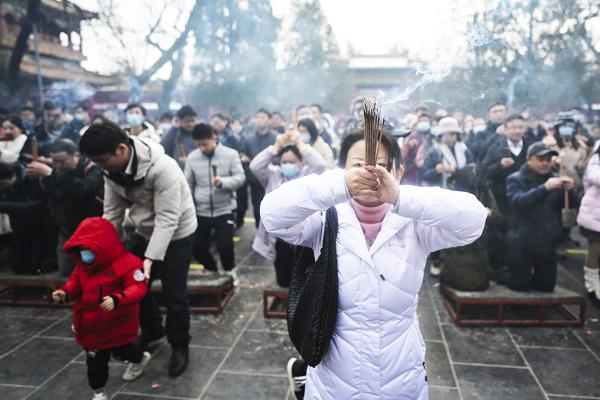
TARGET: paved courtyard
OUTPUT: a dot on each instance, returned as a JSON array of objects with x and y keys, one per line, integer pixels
[{"x": 239, "y": 355}]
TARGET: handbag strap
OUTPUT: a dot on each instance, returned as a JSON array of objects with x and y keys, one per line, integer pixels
[{"x": 331, "y": 230}]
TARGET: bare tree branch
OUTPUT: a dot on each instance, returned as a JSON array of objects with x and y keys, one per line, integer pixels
[{"x": 179, "y": 42}]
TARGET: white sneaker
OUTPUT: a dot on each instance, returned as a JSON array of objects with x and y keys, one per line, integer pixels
[
  {"x": 436, "y": 268},
  {"x": 234, "y": 275},
  {"x": 134, "y": 370},
  {"x": 100, "y": 396},
  {"x": 296, "y": 377}
]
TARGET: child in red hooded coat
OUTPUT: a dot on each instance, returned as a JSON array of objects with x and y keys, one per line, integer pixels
[{"x": 106, "y": 285}]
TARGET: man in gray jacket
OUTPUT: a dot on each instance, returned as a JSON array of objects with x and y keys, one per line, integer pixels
[
  {"x": 214, "y": 173},
  {"x": 143, "y": 179}
]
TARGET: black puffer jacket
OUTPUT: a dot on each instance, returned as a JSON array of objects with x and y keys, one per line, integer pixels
[
  {"x": 497, "y": 174},
  {"x": 535, "y": 218}
]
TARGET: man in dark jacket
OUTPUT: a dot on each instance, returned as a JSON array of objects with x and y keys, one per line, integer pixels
[
  {"x": 54, "y": 127},
  {"x": 506, "y": 157},
  {"x": 227, "y": 137},
  {"x": 496, "y": 116},
  {"x": 178, "y": 141},
  {"x": 73, "y": 187},
  {"x": 536, "y": 196},
  {"x": 33, "y": 238},
  {"x": 254, "y": 144}
]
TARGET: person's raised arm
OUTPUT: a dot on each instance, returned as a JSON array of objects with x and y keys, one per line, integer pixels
[
  {"x": 261, "y": 163},
  {"x": 295, "y": 212},
  {"x": 444, "y": 218}
]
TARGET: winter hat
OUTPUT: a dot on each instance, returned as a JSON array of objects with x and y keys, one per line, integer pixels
[{"x": 448, "y": 125}]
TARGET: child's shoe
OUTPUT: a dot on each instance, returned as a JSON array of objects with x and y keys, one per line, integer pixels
[
  {"x": 134, "y": 370},
  {"x": 100, "y": 396}
]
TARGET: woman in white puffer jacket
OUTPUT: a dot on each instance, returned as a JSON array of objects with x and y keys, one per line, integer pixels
[{"x": 385, "y": 233}]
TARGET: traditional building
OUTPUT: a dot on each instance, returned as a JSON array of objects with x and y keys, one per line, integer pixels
[
  {"x": 372, "y": 74},
  {"x": 60, "y": 43}
]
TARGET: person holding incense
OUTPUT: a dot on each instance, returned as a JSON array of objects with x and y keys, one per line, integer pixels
[
  {"x": 106, "y": 287},
  {"x": 446, "y": 156},
  {"x": 535, "y": 227},
  {"x": 33, "y": 239},
  {"x": 385, "y": 233},
  {"x": 296, "y": 159},
  {"x": 214, "y": 172},
  {"x": 178, "y": 141},
  {"x": 73, "y": 190}
]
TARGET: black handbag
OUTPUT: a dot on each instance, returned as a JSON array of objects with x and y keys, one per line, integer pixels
[{"x": 313, "y": 296}]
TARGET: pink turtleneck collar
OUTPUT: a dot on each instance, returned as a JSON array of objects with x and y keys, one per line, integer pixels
[{"x": 370, "y": 219}]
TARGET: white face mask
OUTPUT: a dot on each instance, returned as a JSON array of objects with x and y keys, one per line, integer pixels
[{"x": 423, "y": 126}]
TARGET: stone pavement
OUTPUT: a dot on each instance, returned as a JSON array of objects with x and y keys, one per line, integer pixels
[{"x": 239, "y": 355}]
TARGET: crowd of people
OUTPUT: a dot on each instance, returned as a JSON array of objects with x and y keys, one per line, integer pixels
[{"x": 173, "y": 186}]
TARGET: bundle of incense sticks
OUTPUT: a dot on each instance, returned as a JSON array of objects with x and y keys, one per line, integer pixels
[
  {"x": 34, "y": 148},
  {"x": 374, "y": 122},
  {"x": 181, "y": 149},
  {"x": 49, "y": 283}
]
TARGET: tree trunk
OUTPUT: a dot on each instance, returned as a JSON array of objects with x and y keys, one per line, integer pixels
[
  {"x": 167, "y": 56},
  {"x": 20, "y": 48},
  {"x": 170, "y": 85}
]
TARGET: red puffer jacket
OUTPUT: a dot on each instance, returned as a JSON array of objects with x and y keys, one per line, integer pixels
[{"x": 115, "y": 272}]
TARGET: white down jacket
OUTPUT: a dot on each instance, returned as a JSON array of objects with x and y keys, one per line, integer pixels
[{"x": 377, "y": 351}]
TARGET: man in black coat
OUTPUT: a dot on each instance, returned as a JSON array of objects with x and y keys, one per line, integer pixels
[
  {"x": 505, "y": 157},
  {"x": 178, "y": 141},
  {"x": 536, "y": 197},
  {"x": 54, "y": 127},
  {"x": 251, "y": 146},
  {"x": 73, "y": 187},
  {"x": 484, "y": 140},
  {"x": 33, "y": 238}
]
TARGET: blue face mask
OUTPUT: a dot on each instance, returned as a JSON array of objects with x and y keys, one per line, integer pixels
[
  {"x": 135, "y": 119},
  {"x": 290, "y": 171},
  {"x": 87, "y": 256},
  {"x": 29, "y": 125},
  {"x": 566, "y": 130}
]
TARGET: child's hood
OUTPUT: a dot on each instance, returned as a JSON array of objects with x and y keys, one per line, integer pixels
[{"x": 99, "y": 236}]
